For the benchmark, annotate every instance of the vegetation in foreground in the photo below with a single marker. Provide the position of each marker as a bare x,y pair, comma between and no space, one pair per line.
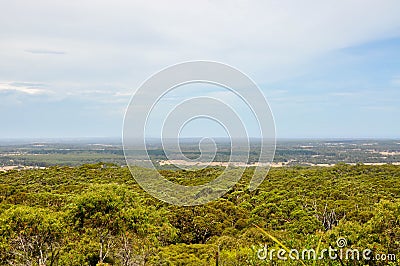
97,215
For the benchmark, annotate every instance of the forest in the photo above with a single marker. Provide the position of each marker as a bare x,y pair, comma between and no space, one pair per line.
96,214
293,152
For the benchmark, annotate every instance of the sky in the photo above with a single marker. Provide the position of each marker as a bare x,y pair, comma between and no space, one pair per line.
329,69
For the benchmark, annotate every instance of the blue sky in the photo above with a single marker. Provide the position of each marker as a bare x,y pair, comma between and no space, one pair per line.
331,69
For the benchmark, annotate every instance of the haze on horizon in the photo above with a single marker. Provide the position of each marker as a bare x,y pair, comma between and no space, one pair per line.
328,69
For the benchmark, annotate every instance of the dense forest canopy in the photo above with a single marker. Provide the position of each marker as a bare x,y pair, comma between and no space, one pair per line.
96,214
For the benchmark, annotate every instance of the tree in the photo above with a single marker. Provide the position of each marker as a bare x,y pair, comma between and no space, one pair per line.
32,235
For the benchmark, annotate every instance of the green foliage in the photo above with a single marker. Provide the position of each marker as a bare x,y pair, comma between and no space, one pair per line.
97,215
31,235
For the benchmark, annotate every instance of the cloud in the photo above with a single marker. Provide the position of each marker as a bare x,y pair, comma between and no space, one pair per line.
344,94
25,84
92,51
380,108
123,42
22,87
396,80
44,51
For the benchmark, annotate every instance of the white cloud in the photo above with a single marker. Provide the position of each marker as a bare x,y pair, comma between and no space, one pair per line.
96,52
126,41
22,87
396,80
44,51
344,94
